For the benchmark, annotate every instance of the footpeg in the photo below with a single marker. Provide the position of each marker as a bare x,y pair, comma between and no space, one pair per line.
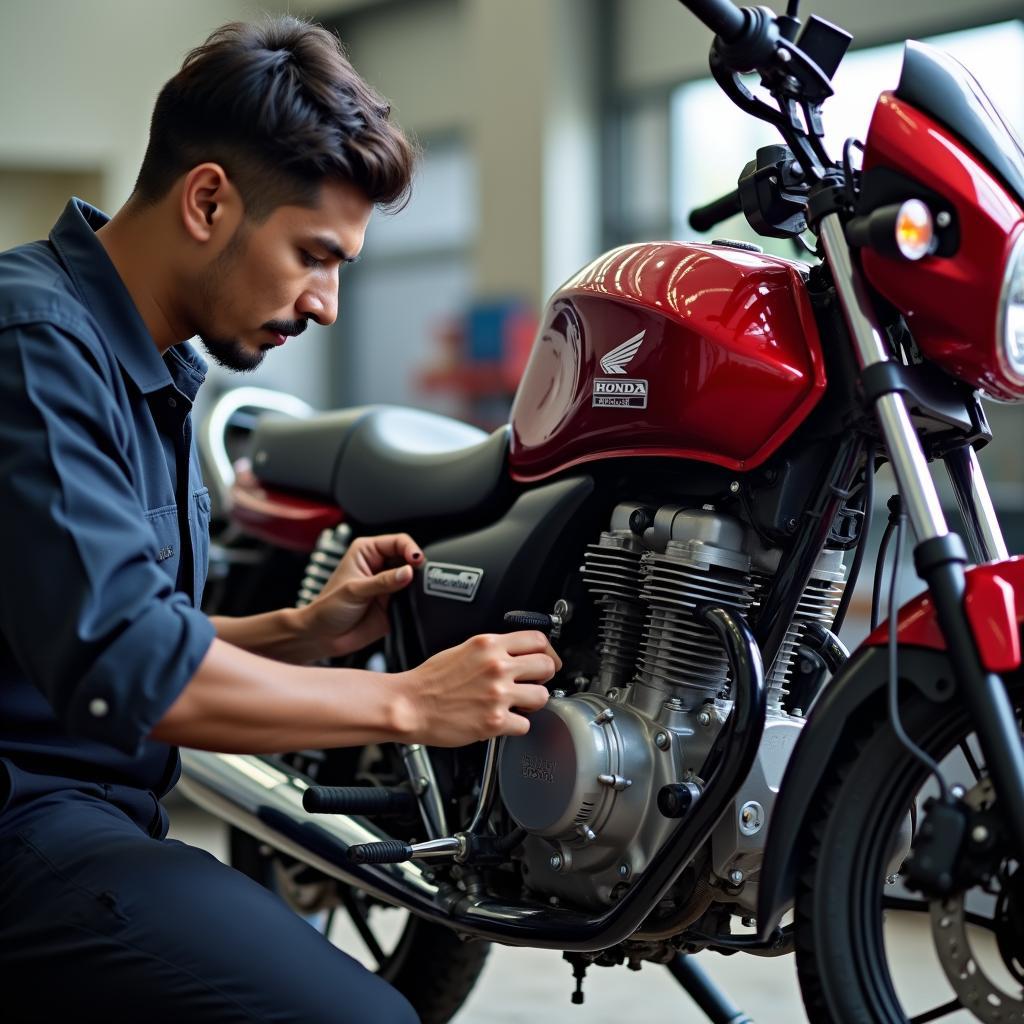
375,801
394,851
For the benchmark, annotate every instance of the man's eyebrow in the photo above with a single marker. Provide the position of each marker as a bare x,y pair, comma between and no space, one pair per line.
334,249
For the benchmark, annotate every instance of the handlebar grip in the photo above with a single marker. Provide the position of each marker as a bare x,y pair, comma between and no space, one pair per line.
723,17
704,218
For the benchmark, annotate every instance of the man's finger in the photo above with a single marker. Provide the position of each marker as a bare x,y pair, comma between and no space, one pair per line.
396,546
382,583
529,641
533,666
530,697
515,725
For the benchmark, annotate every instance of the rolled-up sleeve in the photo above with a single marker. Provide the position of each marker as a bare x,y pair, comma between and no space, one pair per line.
87,612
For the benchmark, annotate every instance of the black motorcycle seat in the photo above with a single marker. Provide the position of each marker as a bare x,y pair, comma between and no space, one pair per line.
383,464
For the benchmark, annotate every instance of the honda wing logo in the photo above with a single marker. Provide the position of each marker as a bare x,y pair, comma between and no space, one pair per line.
619,393
619,357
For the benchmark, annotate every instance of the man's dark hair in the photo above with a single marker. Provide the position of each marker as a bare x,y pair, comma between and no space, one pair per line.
280,108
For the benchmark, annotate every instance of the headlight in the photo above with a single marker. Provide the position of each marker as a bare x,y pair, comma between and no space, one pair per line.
1010,321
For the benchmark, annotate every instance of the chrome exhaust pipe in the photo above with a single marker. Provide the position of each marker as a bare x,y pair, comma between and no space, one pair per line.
263,798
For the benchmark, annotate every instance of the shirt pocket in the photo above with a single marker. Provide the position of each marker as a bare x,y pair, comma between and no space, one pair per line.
163,522
200,532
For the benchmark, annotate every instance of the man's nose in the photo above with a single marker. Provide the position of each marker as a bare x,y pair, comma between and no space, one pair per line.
320,305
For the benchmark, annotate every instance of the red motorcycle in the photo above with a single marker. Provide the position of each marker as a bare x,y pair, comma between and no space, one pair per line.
686,476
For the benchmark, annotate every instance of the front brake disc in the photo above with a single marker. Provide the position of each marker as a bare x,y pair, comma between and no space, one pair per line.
973,987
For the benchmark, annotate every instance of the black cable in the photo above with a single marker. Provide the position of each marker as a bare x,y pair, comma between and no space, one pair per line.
895,506
792,8
876,587
894,710
865,529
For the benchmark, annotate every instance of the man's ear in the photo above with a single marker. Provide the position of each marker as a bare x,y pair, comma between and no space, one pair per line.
210,203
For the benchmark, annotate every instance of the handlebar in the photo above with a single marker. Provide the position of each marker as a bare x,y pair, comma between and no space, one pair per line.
723,17
704,218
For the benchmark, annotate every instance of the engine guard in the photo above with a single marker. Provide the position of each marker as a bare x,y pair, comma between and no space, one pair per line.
994,603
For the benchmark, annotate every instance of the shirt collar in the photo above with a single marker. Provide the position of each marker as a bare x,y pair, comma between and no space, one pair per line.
123,329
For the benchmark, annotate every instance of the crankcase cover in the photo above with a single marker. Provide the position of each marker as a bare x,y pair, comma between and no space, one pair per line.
551,778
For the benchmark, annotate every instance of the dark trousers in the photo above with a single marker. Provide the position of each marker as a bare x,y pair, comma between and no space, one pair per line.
99,921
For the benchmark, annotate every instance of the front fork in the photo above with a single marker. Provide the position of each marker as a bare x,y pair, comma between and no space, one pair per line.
940,557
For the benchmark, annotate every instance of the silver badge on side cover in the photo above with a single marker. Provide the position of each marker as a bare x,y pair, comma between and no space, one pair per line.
619,393
456,582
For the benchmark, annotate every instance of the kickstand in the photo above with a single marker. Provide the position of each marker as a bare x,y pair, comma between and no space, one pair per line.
703,991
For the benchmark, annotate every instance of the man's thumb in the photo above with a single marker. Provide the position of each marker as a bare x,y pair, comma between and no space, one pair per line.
384,582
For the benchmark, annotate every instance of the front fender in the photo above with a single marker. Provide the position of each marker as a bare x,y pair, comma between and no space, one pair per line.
853,702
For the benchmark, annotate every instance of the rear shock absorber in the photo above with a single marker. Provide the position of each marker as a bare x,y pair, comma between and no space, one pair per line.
330,548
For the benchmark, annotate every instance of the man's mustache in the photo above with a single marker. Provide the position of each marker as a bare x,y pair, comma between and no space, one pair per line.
288,328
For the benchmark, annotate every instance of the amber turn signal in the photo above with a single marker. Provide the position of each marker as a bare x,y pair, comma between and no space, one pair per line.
915,230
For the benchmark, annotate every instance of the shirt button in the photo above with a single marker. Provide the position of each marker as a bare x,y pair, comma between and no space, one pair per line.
98,707
172,403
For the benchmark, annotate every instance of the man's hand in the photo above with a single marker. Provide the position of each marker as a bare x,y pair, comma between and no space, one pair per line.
468,693
351,611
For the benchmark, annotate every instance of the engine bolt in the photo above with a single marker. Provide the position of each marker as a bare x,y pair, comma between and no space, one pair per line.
555,862
751,818
958,791
704,718
558,694
604,717
736,876
735,487
943,219
585,832
624,871
661,741
979,834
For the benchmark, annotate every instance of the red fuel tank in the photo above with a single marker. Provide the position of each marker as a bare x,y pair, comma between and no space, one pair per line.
692,351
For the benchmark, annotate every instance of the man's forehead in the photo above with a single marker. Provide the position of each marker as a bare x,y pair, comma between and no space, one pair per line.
339,211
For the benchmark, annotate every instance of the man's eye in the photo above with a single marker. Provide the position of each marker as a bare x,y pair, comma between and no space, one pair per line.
310,260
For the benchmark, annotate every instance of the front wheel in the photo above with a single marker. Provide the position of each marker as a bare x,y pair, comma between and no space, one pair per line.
869,951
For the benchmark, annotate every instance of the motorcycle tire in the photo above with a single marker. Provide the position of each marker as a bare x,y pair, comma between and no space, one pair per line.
430,965
844,973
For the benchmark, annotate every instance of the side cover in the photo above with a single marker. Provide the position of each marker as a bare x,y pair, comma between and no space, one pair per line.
470,581
705,352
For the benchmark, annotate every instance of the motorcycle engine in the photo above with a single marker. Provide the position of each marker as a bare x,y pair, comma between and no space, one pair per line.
584,781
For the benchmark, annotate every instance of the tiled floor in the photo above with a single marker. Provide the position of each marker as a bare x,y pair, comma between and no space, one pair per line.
528,986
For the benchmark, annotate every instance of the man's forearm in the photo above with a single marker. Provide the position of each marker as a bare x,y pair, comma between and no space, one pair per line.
279,635
239,702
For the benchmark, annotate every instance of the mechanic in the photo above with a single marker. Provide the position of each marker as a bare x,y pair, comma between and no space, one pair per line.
267,155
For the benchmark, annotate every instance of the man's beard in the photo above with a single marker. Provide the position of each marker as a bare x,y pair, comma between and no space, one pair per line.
233,355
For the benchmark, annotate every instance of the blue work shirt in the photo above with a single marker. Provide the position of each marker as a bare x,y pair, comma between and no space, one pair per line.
103,529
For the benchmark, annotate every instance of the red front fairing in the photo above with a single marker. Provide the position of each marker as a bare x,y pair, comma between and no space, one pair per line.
950,303
729,358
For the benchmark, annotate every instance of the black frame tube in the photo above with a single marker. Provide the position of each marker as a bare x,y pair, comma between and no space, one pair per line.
790,581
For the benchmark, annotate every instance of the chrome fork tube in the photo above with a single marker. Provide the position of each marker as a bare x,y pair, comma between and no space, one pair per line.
985,534
917,488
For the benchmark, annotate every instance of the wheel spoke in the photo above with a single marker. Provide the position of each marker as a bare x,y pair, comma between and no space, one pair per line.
360,919
937,1012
